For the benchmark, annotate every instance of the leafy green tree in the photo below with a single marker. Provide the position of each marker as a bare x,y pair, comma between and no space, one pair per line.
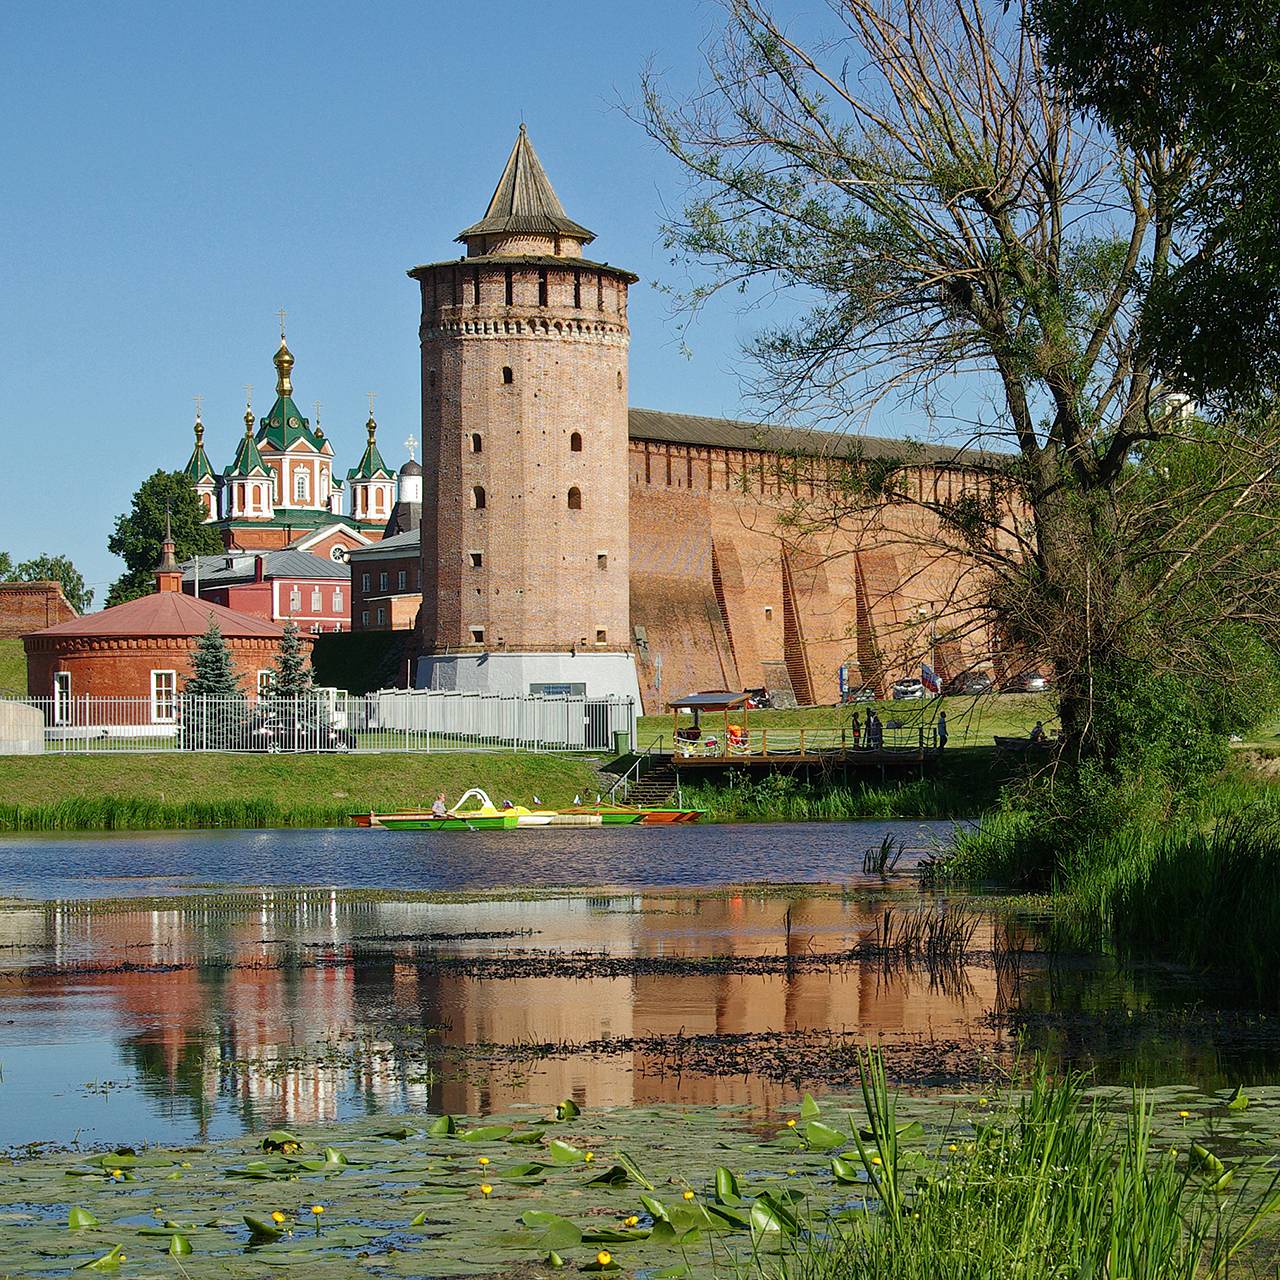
954,235
1200,77
139,532
293,674
47,568
6,567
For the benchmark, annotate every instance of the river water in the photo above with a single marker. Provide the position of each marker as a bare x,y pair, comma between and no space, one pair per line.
182,986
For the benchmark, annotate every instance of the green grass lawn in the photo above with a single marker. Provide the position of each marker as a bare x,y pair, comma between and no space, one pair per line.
970,721
203,790
13,669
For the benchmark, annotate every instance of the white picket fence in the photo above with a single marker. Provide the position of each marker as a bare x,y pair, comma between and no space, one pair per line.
417,720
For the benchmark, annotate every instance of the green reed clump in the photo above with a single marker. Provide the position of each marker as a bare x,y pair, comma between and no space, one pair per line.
1051,1189
134,813
779,798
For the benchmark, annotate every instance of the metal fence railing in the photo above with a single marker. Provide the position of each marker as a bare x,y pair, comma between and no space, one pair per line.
326,720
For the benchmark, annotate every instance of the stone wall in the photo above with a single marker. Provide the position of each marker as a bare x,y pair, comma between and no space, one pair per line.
727,591
31,606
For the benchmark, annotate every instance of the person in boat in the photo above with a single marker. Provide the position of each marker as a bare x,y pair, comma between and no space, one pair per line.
440,809
736,736
506,804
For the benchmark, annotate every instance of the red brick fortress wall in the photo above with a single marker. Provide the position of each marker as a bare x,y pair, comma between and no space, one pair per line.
712,541
31,606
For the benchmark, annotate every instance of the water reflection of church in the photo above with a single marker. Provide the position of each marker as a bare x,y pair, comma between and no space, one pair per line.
309,972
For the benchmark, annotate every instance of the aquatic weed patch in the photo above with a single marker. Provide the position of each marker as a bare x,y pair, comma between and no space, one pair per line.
658,1191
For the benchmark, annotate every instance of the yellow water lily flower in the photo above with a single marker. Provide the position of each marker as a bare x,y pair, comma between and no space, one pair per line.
876,1160
982,1102
631,1221
317,1209
588,1156
117,1173
688,1195
791,1124
604,1257
1184,1115
277,1216
951,1146
485,1189
484,1160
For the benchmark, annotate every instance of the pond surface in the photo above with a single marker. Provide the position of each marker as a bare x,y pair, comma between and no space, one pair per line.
139,1003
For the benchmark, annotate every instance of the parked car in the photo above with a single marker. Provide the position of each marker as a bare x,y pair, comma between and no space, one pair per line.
970,683
287,730
906,689
1026,682
866,693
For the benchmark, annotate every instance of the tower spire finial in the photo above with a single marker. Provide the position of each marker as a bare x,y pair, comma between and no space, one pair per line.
282,313
248,408
199,424
284,364
371,425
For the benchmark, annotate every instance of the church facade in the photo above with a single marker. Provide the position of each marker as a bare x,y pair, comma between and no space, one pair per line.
571,543
282,488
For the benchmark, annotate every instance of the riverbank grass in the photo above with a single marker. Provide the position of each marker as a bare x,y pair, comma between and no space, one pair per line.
187,790
13,669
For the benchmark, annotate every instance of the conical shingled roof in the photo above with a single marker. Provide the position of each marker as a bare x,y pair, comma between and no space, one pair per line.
248,460
198,467
371,465
524,201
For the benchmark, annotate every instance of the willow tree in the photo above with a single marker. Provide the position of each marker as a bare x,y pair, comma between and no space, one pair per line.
958,238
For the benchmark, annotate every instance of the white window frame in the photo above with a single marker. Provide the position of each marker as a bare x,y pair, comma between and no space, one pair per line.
301,484
364,617
337,599
382,616
164,702
317,600
402,578
265,678
295,599
382,582
62,697
364,583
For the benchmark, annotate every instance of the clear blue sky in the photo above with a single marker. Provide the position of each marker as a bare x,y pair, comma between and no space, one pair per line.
173,174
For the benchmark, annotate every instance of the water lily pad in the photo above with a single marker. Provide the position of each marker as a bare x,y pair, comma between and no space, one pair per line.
79,1218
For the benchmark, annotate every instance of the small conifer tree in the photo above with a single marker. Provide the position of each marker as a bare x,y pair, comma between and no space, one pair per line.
215,674
292,667
213,711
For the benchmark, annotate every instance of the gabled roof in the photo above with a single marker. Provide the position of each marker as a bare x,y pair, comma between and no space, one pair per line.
242,566
524,200
166,613
400,545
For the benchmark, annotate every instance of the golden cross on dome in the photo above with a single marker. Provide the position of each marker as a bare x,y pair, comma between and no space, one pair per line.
412,445
373,395
248,393
282,313
199,405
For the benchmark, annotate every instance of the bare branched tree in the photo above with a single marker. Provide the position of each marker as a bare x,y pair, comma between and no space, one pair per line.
969,244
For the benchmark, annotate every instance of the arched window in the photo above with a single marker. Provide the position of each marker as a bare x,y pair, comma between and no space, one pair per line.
299,486
575,499
477,498
575,442
507,376
619,379
477,443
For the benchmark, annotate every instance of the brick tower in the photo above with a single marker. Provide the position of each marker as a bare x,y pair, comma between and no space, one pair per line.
525,568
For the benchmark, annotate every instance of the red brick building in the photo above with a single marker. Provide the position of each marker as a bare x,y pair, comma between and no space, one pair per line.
386,584
141,649
28,606
277,586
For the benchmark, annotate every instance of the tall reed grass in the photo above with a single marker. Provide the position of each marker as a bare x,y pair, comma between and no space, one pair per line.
1053,1190
134,813
777,798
